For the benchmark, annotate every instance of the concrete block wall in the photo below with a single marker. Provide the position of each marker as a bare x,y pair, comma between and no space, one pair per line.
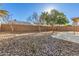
35,28
24,28
66,28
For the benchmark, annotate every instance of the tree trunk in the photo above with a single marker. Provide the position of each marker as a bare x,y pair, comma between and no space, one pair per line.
39,29
74,30
52,28
11,26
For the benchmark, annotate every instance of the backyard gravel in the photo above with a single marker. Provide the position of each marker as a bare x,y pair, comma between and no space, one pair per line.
37,45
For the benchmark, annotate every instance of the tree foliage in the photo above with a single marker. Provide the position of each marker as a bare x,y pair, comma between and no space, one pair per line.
5,17
3,13
62,19
44,18
35,17
55,17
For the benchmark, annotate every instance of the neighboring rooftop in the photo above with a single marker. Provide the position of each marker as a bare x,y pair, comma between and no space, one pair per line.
75,19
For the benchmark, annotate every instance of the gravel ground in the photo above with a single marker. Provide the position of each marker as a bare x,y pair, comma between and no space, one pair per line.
38,45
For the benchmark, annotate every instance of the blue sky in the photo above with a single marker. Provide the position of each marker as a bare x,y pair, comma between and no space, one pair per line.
21,11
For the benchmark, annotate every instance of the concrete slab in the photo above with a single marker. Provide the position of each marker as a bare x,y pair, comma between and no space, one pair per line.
69,36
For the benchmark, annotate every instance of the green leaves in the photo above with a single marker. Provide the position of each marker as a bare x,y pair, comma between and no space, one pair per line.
55,17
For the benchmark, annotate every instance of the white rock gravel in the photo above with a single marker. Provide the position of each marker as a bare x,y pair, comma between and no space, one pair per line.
39,44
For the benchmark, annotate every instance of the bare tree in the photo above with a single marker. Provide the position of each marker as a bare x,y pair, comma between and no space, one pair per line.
5,16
